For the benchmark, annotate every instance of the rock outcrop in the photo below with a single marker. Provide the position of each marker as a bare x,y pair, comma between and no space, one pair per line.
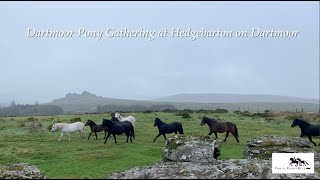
183,161
218,169
263,147
191,149
20,171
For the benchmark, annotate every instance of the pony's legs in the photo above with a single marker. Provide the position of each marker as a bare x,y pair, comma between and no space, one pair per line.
68,135
210,133
60,136
89,135
164,135
310,138
114,137
127,134
81,134
107,138
227,134
215,133
157,137
96,135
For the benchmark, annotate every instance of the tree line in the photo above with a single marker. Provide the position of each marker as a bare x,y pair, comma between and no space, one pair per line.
30,110
133,108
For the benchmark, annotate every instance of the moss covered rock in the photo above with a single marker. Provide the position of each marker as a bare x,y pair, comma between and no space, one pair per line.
20,171
191,149
263,147
218,169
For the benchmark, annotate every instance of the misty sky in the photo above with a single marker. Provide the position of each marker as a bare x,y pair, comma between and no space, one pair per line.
42,69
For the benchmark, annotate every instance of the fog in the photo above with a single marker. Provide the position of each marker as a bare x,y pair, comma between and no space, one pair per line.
42,68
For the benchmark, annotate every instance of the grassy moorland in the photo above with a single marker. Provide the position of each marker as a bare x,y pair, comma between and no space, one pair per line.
82,158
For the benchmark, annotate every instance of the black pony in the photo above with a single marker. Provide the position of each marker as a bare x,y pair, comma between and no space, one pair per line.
117,127
94,128
307,129
167,128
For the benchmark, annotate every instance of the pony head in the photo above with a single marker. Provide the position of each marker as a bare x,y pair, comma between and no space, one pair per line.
156,122
204,120
115,119
117,115
297,122
54,127
294,123
89,122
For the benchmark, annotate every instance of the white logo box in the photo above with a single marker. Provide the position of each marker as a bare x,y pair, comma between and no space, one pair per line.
298,163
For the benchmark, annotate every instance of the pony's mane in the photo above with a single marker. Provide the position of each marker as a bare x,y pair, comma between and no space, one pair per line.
303,121
210,120
92,122
60,123
161,122
114,119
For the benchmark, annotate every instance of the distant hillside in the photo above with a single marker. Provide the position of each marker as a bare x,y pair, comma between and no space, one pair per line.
87,102
2,105
234,98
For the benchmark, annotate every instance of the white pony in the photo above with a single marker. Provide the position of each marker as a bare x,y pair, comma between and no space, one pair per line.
65,127
129,118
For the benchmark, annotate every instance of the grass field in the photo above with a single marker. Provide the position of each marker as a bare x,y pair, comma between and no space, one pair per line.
82,158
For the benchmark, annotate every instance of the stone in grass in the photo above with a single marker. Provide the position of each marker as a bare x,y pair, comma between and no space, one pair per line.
191,149
20,171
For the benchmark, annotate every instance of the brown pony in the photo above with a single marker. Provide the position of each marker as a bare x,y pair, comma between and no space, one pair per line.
220,127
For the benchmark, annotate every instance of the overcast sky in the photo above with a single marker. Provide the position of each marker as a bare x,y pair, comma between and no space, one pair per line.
42,69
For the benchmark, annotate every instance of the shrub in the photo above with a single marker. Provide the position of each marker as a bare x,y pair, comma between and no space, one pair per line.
49,127
237,111
32,119
169,110
21,124
77,119
220,111
185,115
203,111
188,110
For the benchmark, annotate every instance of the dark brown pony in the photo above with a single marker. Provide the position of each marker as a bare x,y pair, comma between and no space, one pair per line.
220,127
94,128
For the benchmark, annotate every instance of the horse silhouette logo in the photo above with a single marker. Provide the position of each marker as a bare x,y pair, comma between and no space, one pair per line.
297,162
304,163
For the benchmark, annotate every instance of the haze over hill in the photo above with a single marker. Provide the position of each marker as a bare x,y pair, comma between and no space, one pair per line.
234,98
46,66
88,102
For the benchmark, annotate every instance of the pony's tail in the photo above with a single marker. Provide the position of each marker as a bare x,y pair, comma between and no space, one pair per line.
134,122
236,133
132,132
181,130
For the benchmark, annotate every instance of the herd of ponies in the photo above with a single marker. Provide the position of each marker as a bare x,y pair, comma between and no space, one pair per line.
118,125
